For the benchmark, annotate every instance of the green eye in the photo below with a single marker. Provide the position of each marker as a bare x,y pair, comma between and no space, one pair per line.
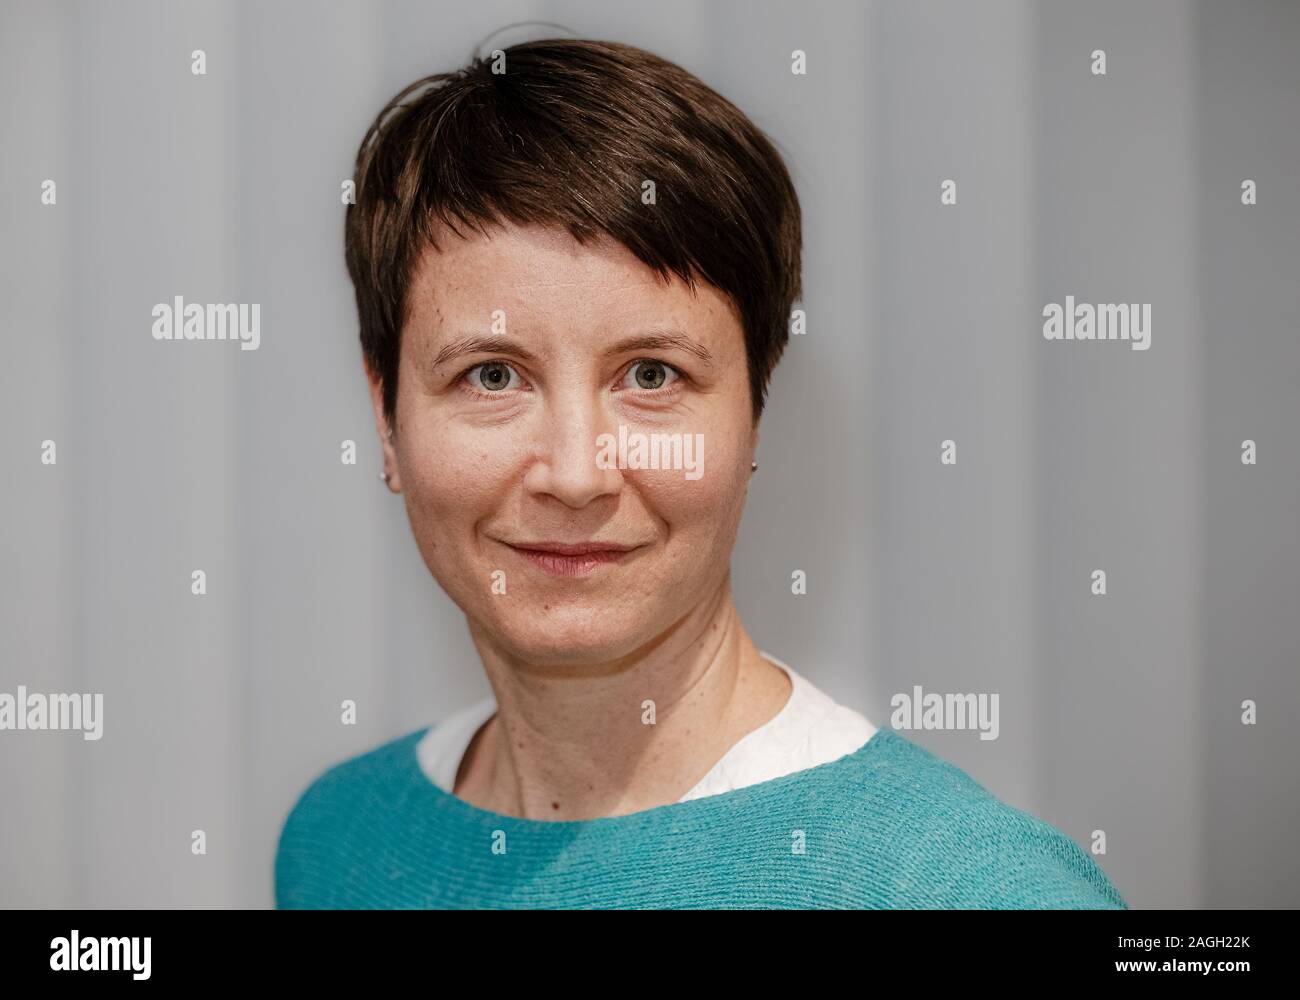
652,375
493,376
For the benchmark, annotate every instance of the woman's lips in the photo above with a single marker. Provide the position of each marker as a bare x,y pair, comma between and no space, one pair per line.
578,560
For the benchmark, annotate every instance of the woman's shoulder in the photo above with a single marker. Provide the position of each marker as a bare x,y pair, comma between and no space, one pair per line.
940,838
373,769
326,815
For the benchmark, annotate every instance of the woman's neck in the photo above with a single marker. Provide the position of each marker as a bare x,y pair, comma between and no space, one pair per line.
617,738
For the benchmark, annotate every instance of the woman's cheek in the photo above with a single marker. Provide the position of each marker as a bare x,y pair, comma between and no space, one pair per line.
451,470
446,486
708,482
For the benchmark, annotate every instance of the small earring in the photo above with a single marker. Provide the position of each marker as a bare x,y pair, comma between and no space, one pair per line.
384,476
753,466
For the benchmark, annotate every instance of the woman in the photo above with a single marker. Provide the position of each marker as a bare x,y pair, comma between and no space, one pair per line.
574,266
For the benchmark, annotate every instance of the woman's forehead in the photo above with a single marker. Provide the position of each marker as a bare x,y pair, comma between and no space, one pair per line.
510,256
542,280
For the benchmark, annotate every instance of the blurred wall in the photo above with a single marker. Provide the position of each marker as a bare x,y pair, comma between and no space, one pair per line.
1118,713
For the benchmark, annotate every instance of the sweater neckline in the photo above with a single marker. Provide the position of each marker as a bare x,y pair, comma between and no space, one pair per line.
441,750
880,740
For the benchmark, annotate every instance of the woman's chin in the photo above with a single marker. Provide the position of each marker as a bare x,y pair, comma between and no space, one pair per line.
576,640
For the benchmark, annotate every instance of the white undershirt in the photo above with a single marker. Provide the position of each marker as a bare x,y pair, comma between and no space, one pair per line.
811,729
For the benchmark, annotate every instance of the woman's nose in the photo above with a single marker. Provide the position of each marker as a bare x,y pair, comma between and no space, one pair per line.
565,464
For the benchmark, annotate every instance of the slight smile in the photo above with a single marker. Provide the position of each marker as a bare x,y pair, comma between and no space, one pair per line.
572,559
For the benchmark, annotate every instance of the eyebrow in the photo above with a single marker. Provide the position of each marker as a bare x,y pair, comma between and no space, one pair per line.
653,341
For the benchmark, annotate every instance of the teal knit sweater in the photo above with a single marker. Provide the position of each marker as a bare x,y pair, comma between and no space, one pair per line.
889,825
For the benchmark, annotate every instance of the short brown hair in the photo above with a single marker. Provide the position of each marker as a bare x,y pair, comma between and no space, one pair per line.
565,137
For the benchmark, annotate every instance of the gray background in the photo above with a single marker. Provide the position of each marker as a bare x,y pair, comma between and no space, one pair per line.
1118,713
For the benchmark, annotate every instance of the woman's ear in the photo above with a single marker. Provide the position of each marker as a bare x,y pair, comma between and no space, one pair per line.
393,477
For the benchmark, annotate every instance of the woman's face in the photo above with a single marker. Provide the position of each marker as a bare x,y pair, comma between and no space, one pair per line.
519,352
